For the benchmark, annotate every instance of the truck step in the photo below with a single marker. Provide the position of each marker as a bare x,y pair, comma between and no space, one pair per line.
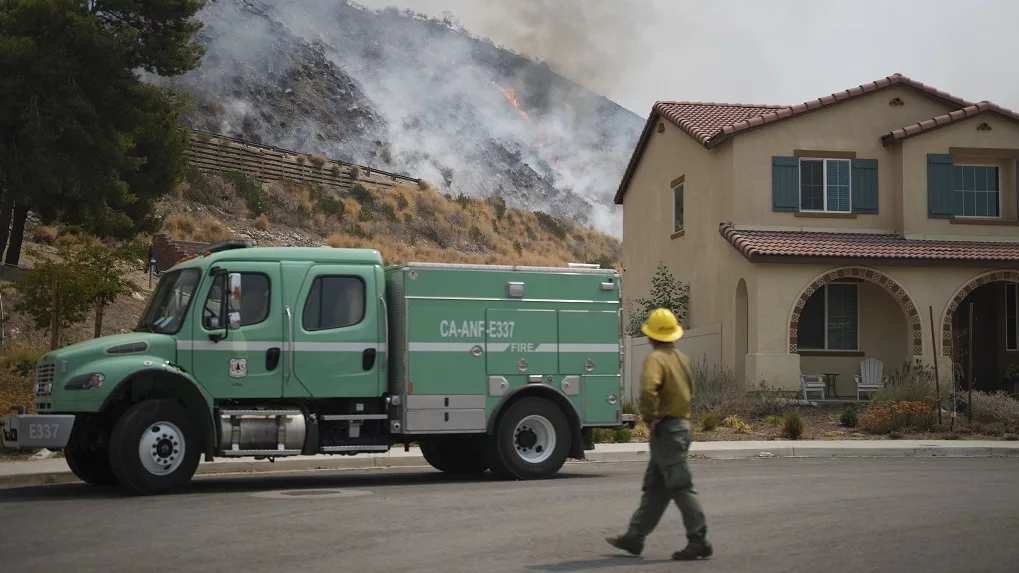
266,453
352,417
353,449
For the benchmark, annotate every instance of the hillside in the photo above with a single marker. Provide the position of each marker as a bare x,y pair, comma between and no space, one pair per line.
410,95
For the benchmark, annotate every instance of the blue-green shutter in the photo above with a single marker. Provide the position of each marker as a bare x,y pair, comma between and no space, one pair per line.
785,184
865,186
939,185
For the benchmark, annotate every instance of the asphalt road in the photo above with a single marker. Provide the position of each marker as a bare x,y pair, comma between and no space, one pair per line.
764,515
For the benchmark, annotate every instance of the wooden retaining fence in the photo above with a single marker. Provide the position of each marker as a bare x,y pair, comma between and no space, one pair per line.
214,152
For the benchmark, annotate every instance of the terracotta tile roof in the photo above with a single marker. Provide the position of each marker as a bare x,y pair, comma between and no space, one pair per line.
947,119
712,123
799,246
704,120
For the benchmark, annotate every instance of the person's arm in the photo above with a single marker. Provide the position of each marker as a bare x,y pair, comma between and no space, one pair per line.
650,383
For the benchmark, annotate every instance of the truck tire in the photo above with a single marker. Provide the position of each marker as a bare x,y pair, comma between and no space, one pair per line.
532,440
456,457
90,466
154,447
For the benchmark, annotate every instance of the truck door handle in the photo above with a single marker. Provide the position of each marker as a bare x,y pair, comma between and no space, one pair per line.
368,359
272,359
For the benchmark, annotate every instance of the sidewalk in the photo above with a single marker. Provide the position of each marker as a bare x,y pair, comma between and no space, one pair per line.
55,471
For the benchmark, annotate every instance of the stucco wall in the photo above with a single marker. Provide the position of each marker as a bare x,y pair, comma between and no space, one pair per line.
1004,136
701,345
853,126
700,257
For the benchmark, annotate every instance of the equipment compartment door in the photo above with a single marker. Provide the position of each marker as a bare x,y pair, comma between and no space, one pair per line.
602,400
588,342
522,342
336,337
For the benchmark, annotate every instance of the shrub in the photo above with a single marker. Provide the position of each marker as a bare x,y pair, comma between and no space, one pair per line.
213,231
741,427
774,420
355,172
388,212
335,170
180,226
424,185
331,206
254,196
666,292
718,390
994,407
518,248
464,201
913,382
365,215
611,436
401,201
848,417
21,360
262,223
553,225
793,426
45,234
317,160
709,421
886,418
1011,437
362,195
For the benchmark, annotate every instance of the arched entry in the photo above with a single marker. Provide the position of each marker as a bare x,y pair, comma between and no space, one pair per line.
888,284
742,329
995,298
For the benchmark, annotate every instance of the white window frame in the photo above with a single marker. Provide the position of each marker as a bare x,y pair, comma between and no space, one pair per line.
682,229
1015,293
824,178
859,328
1000,192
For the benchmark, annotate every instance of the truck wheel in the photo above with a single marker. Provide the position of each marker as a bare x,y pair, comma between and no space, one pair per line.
532,440
90,466
459,457
154,447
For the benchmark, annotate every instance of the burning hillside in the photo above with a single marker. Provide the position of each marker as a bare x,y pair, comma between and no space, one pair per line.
410,95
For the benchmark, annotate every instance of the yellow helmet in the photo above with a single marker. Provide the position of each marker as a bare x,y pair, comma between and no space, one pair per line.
662,326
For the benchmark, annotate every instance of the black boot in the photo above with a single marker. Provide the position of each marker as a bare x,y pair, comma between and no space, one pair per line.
694,551
626,543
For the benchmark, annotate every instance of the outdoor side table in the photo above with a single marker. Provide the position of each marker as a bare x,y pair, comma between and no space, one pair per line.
830,378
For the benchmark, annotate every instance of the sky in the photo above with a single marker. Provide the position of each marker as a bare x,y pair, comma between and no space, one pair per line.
636,52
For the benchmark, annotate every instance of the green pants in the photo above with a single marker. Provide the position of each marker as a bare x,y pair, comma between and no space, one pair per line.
668,479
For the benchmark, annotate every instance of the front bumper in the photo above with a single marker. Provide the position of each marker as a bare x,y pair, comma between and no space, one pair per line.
33,431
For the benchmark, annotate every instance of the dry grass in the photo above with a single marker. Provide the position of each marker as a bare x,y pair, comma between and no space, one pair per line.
355,172
317,160
213,231
180,227
262,223
45,234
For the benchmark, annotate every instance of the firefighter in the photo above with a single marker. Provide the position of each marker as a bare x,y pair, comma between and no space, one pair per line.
665,404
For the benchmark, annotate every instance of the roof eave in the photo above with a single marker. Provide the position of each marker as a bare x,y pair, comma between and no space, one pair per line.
638,152
890,138
880,261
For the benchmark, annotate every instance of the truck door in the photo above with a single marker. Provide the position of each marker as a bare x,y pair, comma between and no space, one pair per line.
336,333
246,362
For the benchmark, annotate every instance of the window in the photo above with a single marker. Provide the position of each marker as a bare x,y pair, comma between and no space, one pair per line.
824,185
830,319
169,305
975,191
677,208
334,302
1011,316
254,307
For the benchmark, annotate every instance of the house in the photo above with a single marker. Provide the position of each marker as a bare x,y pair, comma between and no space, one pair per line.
816,235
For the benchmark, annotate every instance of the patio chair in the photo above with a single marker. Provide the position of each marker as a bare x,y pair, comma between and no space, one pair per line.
871,378
811,383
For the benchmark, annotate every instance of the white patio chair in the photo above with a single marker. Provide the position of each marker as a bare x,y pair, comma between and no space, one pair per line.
871,377
811,383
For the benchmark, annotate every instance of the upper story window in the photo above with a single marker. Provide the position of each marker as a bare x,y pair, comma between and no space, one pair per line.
677,207
825,185
976,191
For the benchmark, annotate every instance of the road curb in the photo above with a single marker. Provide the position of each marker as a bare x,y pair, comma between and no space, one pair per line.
240,467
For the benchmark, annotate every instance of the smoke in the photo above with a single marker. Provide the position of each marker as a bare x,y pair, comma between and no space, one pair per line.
592,42
424,97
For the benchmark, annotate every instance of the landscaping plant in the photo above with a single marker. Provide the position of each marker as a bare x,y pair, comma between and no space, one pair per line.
849,417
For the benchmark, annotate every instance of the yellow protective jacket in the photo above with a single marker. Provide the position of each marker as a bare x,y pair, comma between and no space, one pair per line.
666,384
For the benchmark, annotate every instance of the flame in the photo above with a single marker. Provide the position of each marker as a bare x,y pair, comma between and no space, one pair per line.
541,140
511,96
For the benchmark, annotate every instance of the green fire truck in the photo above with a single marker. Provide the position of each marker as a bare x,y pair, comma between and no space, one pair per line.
268,352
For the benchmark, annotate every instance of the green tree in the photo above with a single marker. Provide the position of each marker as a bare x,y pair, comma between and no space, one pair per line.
82,137
72,300
666,292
